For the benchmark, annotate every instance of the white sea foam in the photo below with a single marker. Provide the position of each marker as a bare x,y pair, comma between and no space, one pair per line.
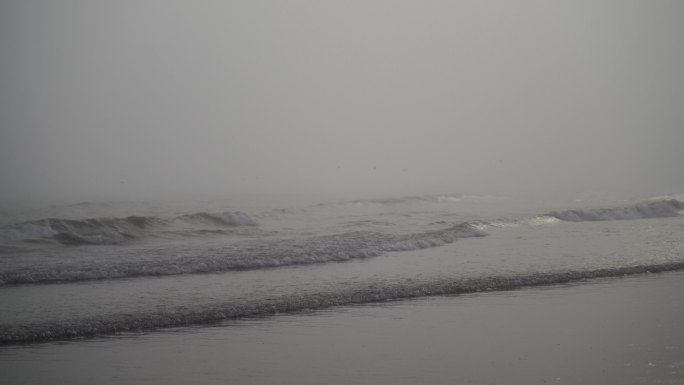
360,294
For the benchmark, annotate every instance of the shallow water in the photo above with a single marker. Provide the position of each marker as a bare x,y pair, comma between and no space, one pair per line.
607,331
175,268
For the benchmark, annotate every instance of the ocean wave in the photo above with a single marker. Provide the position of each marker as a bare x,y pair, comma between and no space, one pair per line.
372,292
395,201
227,218
249,255
102,231
649,209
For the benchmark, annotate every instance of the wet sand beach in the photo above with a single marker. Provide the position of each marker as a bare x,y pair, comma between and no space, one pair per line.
604,331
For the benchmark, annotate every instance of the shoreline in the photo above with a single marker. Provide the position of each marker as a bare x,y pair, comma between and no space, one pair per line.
612,330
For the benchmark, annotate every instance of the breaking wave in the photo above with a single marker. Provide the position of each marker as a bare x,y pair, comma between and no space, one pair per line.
236,218
416,199
251,255
101,231
365,293
649,209
255,253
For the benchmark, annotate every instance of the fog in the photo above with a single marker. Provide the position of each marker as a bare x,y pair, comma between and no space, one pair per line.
131,99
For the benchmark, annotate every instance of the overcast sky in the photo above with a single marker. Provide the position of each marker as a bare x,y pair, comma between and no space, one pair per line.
145,98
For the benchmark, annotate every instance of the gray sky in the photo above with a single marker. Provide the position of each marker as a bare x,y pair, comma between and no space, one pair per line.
143,98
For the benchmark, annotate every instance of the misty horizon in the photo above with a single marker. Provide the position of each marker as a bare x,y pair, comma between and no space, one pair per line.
136,100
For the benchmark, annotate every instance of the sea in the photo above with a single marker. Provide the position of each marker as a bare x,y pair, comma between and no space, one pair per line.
449,288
